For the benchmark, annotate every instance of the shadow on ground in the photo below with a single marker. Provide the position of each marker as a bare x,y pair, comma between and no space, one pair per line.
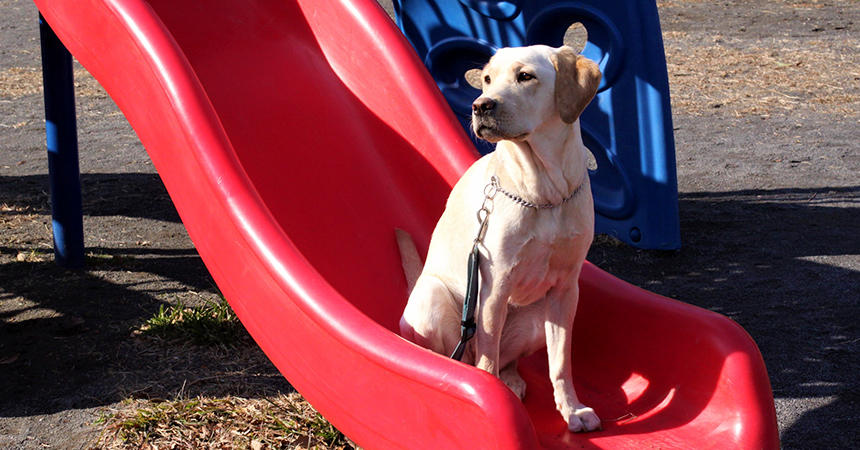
66,335
137,195
782,263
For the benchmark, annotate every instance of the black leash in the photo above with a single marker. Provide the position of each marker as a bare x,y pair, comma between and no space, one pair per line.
470,303
467,324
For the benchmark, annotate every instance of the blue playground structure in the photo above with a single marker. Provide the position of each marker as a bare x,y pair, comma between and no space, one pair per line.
627,127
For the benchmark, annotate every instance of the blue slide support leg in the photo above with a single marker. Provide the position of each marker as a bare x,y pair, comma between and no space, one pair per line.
62,143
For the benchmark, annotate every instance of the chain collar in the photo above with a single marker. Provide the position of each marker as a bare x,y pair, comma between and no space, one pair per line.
494,187
494,182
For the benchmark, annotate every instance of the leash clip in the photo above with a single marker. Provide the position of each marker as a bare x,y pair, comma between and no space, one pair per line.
490,191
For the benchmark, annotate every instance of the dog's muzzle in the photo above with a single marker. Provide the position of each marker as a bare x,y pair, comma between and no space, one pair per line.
483,106
484,122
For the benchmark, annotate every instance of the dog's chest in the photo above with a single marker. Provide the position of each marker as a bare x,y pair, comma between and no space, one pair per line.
537,262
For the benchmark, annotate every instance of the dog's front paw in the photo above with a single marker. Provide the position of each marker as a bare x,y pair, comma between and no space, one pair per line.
583,418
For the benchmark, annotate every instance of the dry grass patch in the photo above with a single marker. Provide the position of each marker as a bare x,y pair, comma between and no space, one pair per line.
33,256
283,421
17,82
763,80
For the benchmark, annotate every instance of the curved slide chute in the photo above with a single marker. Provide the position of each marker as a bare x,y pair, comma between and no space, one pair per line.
293,138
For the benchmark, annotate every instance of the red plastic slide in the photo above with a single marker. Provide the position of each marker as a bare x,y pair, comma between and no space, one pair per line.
293,137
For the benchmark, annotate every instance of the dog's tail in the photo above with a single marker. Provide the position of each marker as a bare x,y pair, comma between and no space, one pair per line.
409,258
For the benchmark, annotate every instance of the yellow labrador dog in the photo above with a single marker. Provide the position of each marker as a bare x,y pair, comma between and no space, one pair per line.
538,221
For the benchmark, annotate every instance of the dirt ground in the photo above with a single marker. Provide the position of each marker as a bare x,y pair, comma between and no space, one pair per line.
767,131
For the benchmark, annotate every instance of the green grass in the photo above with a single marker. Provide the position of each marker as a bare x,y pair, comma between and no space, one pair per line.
213,323
97,259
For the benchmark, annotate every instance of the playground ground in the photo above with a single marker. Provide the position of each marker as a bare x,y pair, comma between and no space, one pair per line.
766,111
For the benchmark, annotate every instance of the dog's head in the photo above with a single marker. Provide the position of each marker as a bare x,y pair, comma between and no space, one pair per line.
525,88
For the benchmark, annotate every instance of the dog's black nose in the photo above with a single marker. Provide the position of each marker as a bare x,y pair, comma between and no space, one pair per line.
483,105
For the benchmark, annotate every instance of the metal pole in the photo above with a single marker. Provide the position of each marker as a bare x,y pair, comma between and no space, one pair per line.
62,143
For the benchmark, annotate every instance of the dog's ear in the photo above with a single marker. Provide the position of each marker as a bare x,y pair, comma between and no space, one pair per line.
576,82
473,77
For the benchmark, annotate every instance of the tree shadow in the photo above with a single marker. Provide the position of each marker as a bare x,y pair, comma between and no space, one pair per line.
784,264
66,335
138,195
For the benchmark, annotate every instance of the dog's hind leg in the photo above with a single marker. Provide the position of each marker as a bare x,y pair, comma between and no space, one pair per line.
432,317
523,335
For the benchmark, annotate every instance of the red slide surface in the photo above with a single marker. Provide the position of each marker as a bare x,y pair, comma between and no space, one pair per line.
293,137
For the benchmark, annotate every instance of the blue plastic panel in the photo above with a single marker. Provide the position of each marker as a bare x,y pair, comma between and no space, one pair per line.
627,127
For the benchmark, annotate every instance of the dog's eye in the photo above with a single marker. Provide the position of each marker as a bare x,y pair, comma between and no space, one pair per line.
487,79
524,76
